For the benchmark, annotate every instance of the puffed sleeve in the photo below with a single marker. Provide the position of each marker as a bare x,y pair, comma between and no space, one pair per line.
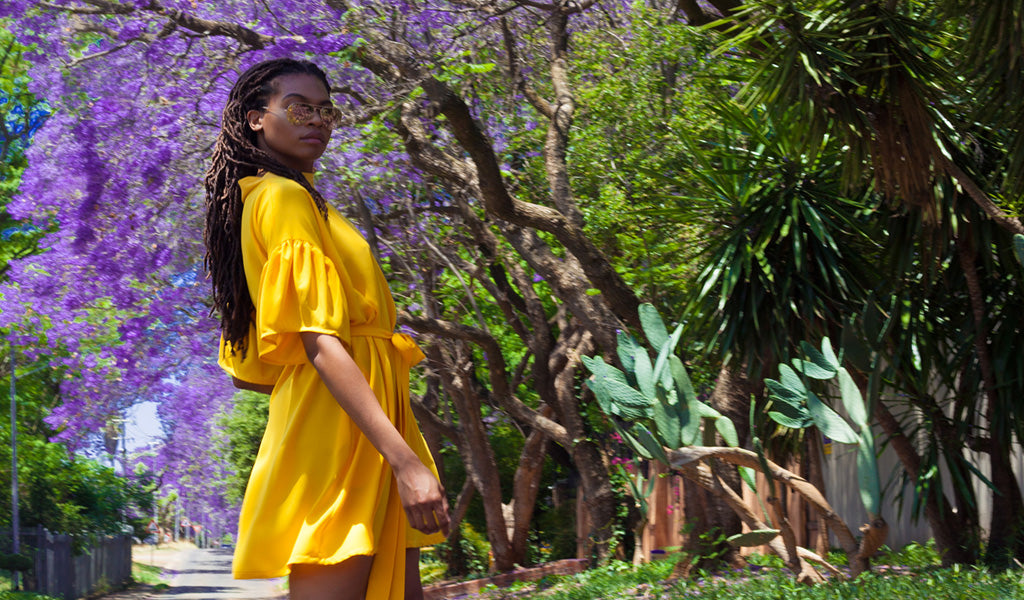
300,288
248,368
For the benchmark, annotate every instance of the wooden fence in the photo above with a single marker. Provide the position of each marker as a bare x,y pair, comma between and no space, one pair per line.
105,564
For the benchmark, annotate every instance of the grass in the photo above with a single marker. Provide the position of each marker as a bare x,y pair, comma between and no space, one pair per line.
142,573
8,595
914,573
149,575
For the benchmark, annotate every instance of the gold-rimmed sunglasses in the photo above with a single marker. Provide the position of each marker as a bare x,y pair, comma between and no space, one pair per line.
300,113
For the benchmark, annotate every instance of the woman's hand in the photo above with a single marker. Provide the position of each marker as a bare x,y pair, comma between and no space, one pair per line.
423,497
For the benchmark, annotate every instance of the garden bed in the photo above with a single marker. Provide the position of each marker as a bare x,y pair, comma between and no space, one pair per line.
912,574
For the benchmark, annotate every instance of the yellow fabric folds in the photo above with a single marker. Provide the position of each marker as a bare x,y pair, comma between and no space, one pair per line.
307,296
248,368
319,491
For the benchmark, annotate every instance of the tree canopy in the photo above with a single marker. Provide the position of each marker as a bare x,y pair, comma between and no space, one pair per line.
527,171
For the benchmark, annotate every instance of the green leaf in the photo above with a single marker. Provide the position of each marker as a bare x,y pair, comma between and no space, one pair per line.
812,369
749,477
1018,247
853,401
654,327
790,409
661,374
684,387
626,349
867,474
644,372
604,399
757,537
667,424
829,354
786,420
615,382
829,422
789,379
592,363
818,366
723,425
630,413
613,392
689,418
632,442
777,391
657,452
765,469
728,431
623,394
649,489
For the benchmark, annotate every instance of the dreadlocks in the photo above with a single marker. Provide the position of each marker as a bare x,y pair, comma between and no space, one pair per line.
235,156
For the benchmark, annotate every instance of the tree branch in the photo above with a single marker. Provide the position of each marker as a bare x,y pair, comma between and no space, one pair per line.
498,202
538,102
557,142
497,369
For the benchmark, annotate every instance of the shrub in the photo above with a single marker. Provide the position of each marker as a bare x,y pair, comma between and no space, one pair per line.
15,562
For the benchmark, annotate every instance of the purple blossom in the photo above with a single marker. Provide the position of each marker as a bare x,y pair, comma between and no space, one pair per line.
118,168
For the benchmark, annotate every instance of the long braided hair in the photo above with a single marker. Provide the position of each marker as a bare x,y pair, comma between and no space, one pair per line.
236,155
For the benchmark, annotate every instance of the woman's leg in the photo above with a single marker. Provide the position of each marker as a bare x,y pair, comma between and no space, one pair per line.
413,587
343,581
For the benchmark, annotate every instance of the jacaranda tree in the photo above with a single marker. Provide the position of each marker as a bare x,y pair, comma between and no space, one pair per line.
457,157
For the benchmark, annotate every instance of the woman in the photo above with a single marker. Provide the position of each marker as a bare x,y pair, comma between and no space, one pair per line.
343,491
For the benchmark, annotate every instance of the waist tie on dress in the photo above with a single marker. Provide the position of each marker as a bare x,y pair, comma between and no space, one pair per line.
407,349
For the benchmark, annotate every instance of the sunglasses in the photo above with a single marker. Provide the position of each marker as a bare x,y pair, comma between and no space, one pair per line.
300,113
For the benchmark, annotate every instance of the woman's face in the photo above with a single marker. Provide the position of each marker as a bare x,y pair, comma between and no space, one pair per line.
296,146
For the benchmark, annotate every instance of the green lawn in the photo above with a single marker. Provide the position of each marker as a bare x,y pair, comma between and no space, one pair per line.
913,574
141,573
149,575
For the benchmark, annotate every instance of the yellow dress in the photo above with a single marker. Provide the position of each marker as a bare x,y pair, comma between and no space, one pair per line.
319,491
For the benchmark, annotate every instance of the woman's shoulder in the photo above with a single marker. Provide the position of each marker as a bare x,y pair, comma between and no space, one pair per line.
272,184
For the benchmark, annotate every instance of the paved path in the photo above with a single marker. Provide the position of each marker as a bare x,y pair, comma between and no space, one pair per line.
196,574
206,575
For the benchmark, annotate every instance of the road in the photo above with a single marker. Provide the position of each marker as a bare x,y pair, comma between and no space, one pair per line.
206,575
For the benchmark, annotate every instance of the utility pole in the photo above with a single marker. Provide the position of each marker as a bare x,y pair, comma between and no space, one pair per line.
15,518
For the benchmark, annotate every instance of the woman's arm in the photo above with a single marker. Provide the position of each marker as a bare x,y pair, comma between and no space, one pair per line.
422,496
252,387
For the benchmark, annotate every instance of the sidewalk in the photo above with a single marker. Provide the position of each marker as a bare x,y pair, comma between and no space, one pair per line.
167,557
197,574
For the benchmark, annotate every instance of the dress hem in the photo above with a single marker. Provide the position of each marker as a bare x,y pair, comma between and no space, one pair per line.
308,560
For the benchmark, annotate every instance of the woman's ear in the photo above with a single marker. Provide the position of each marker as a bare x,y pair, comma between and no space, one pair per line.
255,119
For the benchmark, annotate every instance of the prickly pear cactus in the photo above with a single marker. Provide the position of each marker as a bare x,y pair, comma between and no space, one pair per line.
795,406
652,404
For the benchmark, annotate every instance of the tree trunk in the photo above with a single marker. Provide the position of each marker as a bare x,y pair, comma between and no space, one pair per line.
731,397
816,475
598,498
952,538
524,490
1007,505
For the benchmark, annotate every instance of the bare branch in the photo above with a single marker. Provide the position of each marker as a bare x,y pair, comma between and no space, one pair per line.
500,203
557,142
538,102
497,370
425,415
461,506
206,27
